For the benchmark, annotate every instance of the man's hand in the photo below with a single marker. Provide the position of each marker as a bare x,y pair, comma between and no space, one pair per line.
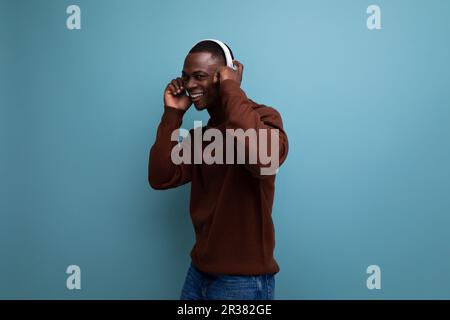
226,72
175,95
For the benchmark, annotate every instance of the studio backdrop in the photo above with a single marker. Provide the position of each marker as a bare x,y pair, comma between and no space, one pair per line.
362,205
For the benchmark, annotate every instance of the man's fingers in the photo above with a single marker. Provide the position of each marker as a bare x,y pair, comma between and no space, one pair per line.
240,66
174,82
180,84
172,89
176,86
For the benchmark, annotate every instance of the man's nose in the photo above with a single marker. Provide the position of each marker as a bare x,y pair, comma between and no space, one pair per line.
190,84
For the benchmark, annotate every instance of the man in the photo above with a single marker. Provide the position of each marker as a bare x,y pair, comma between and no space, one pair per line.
231,204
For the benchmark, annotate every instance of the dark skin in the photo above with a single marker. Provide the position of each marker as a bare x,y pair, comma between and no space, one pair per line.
202,73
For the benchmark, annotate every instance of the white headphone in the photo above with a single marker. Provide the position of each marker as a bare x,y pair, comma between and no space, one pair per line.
225,50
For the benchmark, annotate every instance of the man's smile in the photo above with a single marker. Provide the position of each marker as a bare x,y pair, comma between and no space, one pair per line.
197,95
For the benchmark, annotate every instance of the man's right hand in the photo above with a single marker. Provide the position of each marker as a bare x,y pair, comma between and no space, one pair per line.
175,95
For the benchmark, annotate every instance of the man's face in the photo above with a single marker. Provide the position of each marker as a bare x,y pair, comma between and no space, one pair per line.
201,80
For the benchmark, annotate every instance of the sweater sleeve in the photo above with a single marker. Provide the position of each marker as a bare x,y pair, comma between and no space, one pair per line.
241,114
162,172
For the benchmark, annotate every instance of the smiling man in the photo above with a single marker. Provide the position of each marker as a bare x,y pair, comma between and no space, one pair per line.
231,204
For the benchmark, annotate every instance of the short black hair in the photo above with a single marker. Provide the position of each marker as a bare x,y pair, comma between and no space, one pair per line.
212,47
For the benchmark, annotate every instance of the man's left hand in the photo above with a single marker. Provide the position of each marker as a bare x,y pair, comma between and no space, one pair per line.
226,72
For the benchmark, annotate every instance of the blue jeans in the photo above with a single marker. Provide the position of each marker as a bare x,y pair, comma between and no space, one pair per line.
204,286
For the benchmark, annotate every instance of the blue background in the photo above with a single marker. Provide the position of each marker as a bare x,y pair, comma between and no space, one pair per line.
367,179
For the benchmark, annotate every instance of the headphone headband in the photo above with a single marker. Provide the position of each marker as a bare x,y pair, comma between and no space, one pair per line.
225,50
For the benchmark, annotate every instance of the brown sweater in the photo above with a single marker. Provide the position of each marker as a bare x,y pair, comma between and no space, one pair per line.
231,204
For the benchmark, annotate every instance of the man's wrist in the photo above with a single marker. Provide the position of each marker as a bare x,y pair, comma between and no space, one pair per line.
230,87
172,114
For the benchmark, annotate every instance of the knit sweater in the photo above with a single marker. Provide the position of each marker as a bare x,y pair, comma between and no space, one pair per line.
230,204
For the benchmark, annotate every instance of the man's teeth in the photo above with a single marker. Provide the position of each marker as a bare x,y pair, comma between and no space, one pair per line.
196,95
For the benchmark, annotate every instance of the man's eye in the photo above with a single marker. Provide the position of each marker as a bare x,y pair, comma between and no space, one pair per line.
200,77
